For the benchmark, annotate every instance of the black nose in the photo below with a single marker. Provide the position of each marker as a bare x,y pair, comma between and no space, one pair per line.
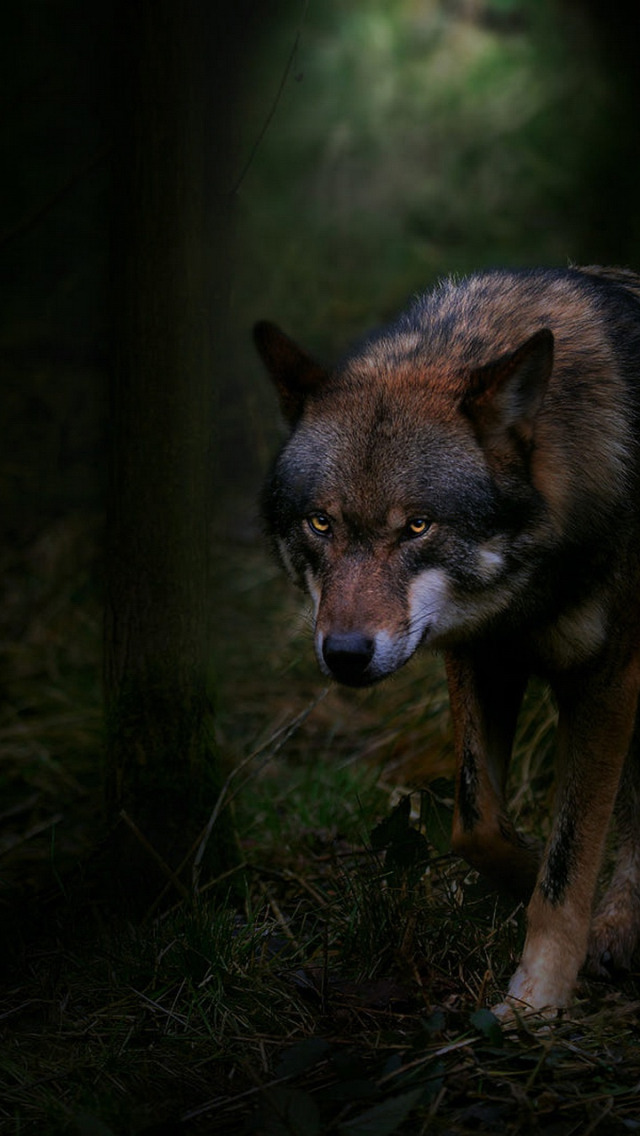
347,656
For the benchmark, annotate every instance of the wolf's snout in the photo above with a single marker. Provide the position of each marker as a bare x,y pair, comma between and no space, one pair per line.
347,656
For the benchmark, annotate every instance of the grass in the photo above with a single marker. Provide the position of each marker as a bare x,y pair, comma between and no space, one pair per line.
346,991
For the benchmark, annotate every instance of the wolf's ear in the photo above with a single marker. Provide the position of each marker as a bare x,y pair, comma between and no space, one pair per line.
504,397
294,373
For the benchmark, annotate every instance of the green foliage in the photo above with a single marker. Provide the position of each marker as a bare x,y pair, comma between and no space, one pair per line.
408,143
318,800
382,1119
406,852
487,1024
436,812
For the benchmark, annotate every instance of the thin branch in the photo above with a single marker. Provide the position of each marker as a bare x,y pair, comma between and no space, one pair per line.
274,105
162,864
197,849
30,220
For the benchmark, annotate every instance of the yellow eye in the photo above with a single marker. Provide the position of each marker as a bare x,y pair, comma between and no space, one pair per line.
319,524
417,527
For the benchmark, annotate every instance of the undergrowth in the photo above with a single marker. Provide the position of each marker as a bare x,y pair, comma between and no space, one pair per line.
347,995
340,985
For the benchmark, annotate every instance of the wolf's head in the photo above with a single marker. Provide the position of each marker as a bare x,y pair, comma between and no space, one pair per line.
403,500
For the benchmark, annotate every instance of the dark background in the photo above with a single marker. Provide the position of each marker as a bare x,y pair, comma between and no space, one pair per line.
409,139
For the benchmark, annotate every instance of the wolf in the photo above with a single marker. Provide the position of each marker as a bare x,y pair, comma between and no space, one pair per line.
467,479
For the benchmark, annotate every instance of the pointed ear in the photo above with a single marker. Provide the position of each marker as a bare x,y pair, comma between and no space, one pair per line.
294,373
504,397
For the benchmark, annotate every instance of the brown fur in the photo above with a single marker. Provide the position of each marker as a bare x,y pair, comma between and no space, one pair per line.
469,478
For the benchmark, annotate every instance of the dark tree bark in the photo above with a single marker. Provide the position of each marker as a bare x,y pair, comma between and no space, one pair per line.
176,78
607,200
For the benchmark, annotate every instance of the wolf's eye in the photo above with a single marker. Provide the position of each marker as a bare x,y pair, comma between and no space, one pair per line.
417,527
319,524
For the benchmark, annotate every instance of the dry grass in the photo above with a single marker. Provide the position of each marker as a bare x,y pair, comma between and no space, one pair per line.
345,994
50,716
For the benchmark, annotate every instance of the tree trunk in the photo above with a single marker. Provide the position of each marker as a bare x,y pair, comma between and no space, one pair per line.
171,255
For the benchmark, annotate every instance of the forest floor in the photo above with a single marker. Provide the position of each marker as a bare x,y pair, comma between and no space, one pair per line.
342,987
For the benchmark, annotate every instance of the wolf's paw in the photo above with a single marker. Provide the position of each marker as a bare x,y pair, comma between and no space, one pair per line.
510,1013
611,947
538,989
513,1013
615,931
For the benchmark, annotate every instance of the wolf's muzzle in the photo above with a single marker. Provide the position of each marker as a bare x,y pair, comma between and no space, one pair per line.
347,656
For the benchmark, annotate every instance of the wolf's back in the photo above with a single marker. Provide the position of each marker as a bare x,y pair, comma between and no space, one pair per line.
623,277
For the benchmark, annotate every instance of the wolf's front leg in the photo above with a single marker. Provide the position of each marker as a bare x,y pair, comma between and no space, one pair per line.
596,718
485,693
